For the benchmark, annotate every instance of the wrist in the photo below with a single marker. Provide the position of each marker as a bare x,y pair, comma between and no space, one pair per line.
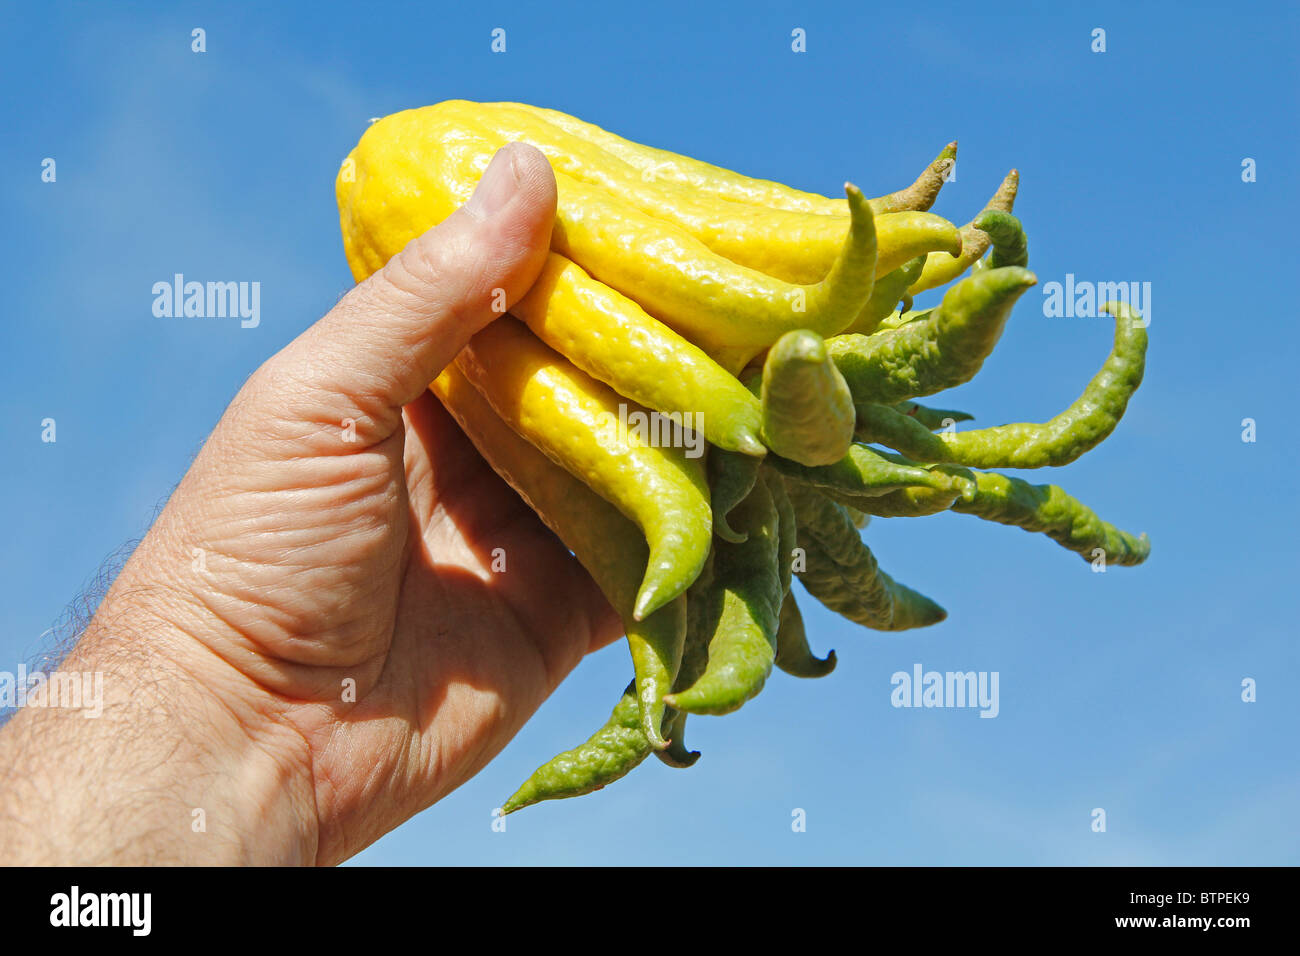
181,759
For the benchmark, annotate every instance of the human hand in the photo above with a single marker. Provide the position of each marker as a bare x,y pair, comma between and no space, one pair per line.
310,645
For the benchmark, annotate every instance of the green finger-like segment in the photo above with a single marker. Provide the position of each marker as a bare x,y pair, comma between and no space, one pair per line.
1049,510
942,267
731,477
786,530
947,484
748,587
677,754
808,411
932,418
862,473
703,608
886,295
1081,427
793,655
911,502
656,644
945,349
921,195
701,622
608,754
1010,246
841,572
883,425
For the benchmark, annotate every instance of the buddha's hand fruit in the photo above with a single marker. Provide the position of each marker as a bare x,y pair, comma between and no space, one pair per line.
711,388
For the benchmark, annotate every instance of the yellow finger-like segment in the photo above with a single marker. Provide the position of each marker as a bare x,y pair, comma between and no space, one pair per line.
664,166
794,246
911,234
804,255
712,301
730,228
613,339
941,267
412,169
603,440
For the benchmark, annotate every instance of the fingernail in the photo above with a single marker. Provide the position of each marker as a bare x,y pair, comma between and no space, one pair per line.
496,187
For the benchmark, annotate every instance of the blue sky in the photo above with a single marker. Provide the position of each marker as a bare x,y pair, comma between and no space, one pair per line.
1118,690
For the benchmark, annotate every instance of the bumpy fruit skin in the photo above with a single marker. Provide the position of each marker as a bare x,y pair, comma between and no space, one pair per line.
1049,510
1010,245
921,195
943,350
412,169
794,245
608,754
661,165
843,574
613,339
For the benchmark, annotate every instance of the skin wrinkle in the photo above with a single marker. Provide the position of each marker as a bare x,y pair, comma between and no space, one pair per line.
245,638
358,526
382,523
338,477
303,630
203,596
313,419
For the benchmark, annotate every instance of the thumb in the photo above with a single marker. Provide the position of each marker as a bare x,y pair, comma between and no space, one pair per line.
392,335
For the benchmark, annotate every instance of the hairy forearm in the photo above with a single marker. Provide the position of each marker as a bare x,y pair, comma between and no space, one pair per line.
181,764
